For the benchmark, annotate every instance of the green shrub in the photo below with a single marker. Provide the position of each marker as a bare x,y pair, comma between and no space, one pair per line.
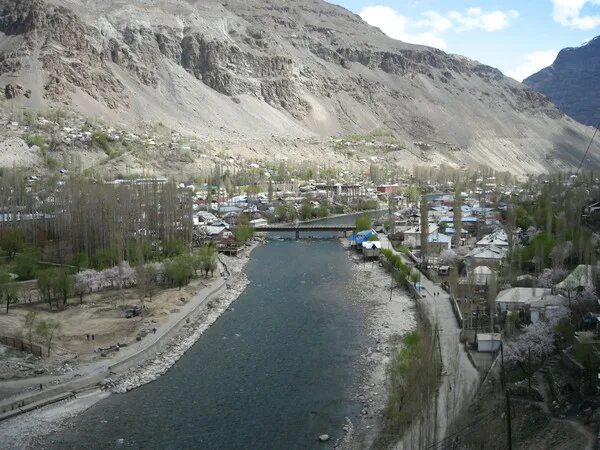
243,233
102,140
36,139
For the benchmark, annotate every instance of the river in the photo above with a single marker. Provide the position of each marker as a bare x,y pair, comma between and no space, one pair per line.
276,372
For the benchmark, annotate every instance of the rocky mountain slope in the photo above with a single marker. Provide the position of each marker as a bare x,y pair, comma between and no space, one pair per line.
572,82
240,71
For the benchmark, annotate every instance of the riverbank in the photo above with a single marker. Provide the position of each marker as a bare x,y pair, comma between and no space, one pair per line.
143,366
392,314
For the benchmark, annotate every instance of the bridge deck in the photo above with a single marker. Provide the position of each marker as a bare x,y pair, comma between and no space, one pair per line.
306,227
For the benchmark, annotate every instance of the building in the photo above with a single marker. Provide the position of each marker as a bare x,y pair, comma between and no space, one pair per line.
498,238
258,223
581,277
388,189
412,236
488,342
485,256
371,249
540,303
438,242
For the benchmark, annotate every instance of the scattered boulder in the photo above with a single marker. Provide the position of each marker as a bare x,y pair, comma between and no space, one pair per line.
12,90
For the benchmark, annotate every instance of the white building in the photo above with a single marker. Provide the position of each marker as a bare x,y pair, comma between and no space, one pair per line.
488,342
412,236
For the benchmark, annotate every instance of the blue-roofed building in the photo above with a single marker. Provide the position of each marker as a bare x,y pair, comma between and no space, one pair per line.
438,242
361,236
467,219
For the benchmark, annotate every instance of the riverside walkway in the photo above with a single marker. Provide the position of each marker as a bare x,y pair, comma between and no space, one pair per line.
24,395
460,379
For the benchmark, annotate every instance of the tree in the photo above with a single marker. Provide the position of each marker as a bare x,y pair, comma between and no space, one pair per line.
62,284
449,258
30,319
173,247
81,260
46,329
8,290
243,233
537,338
26,264
413,194
306,211
179,271
415,276
146,280
45,286
364,222
424,210
11,241
457,209
492,292
270,192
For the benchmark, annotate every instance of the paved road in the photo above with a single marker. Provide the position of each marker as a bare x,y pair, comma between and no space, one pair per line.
460,379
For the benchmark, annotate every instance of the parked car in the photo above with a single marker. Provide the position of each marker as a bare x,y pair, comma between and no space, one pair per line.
133,312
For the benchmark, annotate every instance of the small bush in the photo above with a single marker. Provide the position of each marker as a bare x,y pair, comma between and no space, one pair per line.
37,140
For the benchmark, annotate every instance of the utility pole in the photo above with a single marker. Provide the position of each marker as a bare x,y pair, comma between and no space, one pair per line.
529,371
508,421
502,364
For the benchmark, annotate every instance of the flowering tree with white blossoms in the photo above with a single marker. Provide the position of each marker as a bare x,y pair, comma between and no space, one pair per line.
537,338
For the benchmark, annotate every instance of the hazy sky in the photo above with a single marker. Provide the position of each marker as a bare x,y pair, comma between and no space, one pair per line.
517,36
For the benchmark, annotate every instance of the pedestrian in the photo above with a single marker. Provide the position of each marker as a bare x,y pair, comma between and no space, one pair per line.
88,337
41,387
92,337
154,330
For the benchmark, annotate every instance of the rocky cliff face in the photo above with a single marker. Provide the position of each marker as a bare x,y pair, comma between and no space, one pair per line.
249,68
572,82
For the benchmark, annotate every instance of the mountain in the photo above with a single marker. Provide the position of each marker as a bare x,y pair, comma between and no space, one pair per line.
572,82
246,74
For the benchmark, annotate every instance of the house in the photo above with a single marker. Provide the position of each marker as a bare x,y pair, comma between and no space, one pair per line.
438,242
482,275
488,342
388,189
485,256
412,236
216,231
258,223
540,303
371,249
204,218
580,278
498,238
464,234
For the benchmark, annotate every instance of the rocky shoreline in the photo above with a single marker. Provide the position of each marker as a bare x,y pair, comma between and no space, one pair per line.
391,317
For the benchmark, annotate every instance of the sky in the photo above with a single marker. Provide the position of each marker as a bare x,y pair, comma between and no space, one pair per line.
519,37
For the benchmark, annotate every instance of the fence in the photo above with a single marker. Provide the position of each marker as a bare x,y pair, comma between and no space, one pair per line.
21,345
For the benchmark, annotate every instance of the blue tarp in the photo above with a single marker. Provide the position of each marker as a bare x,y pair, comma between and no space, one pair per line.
362,236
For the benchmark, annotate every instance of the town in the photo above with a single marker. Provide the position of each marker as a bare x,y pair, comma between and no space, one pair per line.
516,260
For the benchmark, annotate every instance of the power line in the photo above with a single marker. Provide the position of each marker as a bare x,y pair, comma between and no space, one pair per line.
456,433
589,146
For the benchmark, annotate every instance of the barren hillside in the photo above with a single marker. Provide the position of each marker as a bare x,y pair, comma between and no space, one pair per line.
573,82
245,70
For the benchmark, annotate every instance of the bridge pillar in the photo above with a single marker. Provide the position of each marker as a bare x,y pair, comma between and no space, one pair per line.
297,234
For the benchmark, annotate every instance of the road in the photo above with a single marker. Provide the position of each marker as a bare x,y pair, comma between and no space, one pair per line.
460,378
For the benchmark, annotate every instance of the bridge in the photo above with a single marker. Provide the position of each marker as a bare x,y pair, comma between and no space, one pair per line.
307,227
